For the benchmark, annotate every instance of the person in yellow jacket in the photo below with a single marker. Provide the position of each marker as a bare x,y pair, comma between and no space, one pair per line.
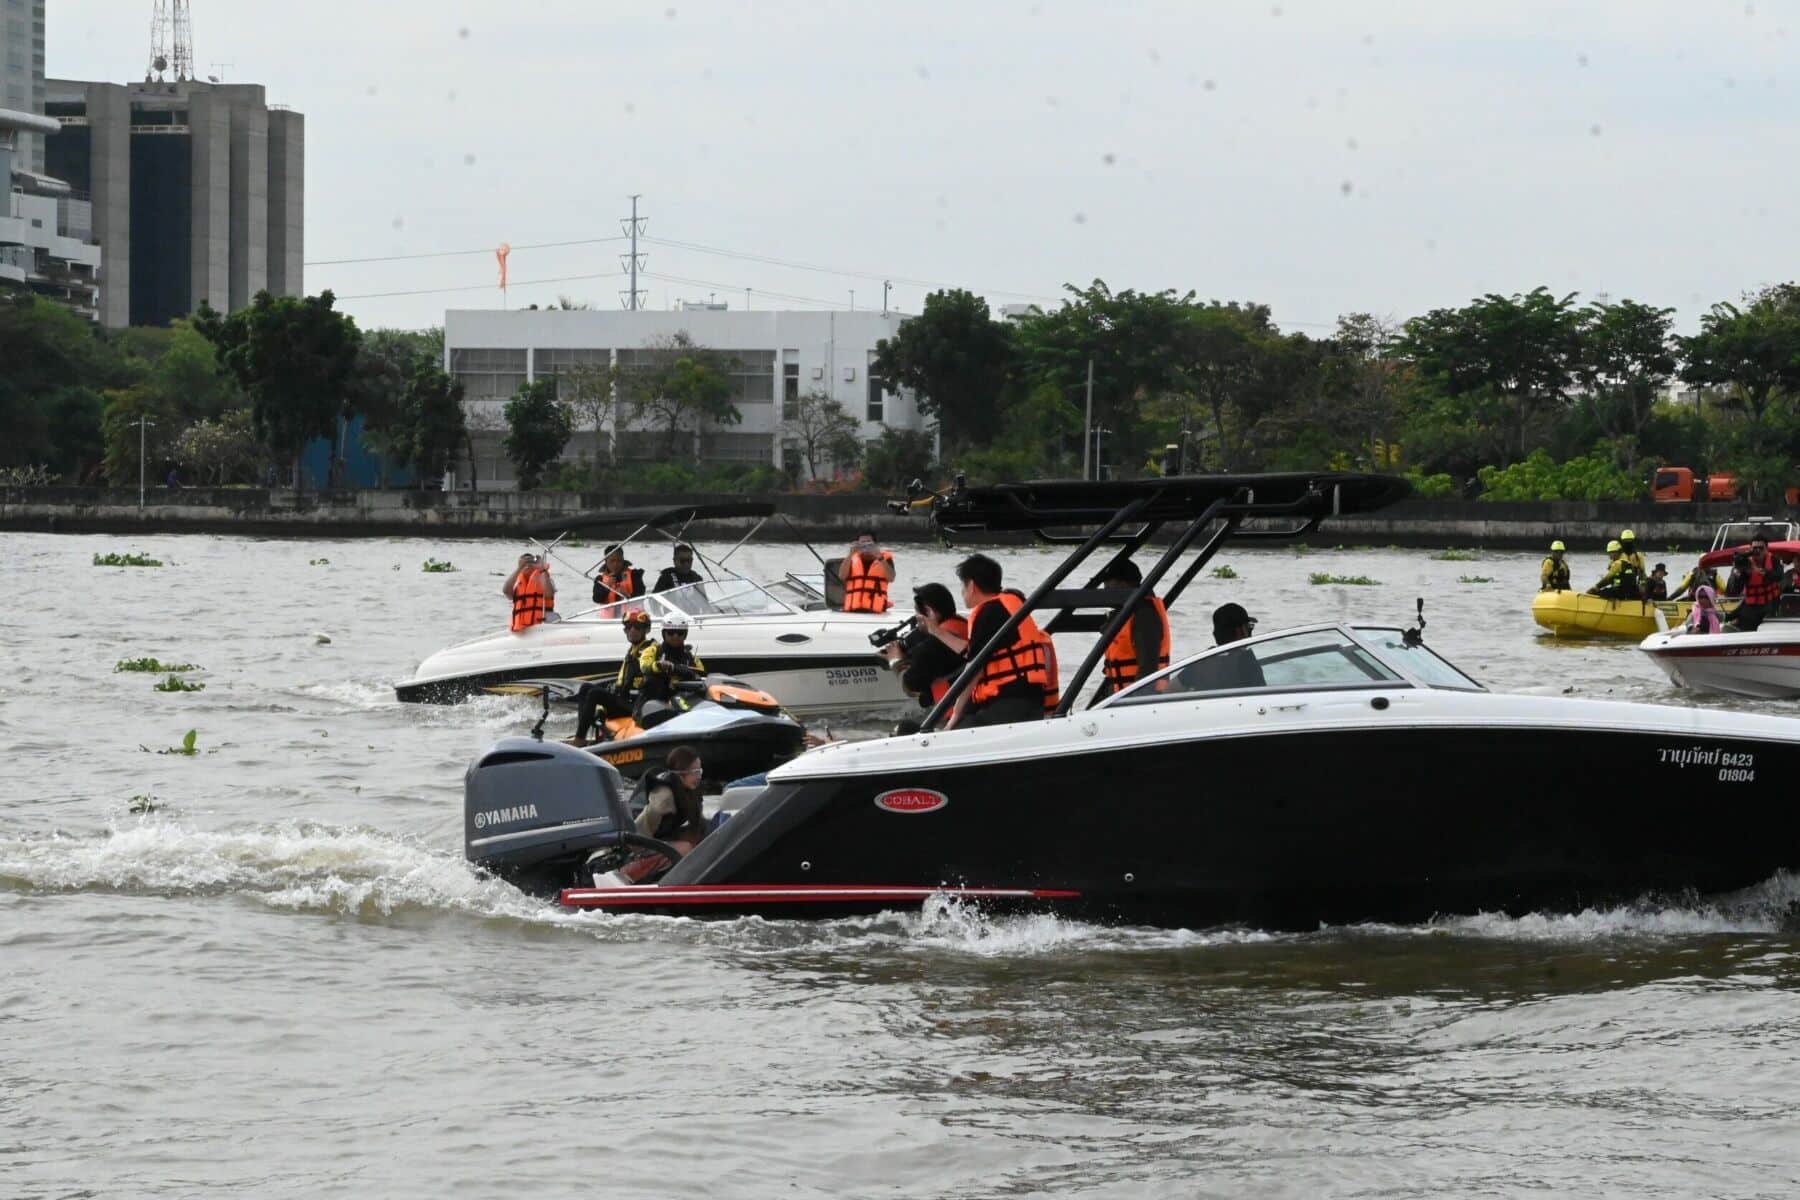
1622,580
1698,577
1553,573
666,661
1629,552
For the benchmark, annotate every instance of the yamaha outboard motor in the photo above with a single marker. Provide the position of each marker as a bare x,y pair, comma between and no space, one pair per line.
533,812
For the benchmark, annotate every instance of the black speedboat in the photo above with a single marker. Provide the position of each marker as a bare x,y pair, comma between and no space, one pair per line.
1330,773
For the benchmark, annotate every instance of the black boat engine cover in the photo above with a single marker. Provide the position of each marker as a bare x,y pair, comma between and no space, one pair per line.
533,811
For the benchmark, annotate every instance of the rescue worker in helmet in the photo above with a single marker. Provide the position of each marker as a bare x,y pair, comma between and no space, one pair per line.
681,573
532,592
1018,681
617,579
1553,573
673,797
925,659
618,697
1698,576
1142,646
665,662
866,571
1621,581
1629,552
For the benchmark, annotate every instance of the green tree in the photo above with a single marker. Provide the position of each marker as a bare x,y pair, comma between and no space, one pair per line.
592,393
1234,361
122,433
538,427
824,432
680,387
52,368
386,361
1040,440
434,418
956,359
1750,356
295,358
219,452
896,458
1519,352
1626,357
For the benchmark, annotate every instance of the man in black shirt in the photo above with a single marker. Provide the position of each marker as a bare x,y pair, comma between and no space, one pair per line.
682,573
1019,681
1231,670
926,662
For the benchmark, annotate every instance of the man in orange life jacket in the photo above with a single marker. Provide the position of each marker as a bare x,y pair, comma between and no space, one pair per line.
1142,646
1762,585
926,661
866,571
617,579
1018,683
532,592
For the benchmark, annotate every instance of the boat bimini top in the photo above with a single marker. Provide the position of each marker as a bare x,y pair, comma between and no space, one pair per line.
1123,517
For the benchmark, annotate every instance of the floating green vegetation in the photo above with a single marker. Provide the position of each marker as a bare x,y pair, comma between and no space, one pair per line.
153,666
1474,579
176,683
318,562
435,567
1224,572
126,560
187,747
143,805
1455,555
1357,580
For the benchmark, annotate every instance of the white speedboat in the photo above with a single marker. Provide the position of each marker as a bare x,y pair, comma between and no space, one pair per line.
779,636
1764,663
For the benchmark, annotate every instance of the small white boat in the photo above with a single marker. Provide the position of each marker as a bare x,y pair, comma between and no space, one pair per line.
1764,663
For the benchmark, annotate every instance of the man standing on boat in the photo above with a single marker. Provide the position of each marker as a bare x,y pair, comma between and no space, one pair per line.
681,573
866,571
1018,681
1762,585
1553,572
617,579
1142,646
532,592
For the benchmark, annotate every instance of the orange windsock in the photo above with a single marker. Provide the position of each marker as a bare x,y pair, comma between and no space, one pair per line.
500,253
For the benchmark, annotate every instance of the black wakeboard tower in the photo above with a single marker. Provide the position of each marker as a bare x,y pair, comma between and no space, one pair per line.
1124,516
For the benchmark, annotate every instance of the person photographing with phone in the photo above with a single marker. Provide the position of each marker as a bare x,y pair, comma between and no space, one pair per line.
532,592
866,571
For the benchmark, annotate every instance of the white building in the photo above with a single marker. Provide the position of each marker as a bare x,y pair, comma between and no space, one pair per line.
46,228
775,357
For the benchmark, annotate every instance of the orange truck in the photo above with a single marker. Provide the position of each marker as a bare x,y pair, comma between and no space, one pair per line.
1677,484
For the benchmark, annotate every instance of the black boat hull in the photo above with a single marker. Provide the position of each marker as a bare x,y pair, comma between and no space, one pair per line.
1294,829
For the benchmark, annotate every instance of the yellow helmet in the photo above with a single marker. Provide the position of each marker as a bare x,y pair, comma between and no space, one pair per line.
1558,546
1613,547
1628,536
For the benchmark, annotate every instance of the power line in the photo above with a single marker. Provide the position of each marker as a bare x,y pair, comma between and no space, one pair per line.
483,287
738,287
883,276
338,262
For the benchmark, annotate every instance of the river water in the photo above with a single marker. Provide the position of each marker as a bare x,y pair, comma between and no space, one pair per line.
284,981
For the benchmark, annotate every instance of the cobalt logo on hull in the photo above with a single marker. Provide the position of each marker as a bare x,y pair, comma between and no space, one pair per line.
501,816
911,800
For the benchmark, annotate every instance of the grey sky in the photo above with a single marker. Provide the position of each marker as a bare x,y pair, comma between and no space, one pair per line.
1322,157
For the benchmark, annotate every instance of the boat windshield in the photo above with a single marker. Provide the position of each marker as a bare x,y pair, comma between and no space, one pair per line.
729,597
804,592
1417,661
1303,660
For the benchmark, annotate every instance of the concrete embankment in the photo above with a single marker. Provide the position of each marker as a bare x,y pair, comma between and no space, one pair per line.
265,513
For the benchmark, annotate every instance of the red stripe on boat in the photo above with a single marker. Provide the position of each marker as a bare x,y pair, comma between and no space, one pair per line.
1775,650
748,895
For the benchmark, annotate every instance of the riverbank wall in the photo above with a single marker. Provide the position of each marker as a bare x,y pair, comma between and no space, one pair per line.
257,512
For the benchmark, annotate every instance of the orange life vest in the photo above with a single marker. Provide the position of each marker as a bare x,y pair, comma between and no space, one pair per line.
959,627
530,601
1031,658
864,590
1121,666
1762,585
626,585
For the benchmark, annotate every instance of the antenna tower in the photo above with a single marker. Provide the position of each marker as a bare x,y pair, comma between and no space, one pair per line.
171,42
633,262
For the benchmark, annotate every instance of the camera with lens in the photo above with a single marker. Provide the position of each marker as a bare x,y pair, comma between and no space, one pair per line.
893,633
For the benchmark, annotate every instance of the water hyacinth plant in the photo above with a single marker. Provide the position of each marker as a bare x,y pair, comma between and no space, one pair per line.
435,567
126,560
1356,580
1224,572
176,683
153,666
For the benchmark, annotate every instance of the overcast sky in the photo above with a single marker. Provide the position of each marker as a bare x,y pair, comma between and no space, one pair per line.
1321,156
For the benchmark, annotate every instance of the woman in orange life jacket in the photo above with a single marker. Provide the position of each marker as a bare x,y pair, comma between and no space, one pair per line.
925,660
1018,683
866,570
617,579
1142,646
532,592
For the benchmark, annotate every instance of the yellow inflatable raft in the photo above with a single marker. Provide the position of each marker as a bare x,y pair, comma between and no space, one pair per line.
1577,614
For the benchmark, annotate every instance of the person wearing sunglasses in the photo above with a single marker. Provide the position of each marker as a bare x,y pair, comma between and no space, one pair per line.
672,800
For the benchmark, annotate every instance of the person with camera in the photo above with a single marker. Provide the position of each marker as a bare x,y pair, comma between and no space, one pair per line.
927,663
1758,576
866,572
532,592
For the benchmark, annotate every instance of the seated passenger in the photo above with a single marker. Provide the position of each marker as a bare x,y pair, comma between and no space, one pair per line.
672,801
1690,582
1657,586
1018,682
1142,646
619,696
681,573
1233,669
617,579
1704,617
666,662
1622,580
928,663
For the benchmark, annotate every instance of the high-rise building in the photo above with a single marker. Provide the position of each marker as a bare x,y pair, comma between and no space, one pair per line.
198,191
22,73
46,230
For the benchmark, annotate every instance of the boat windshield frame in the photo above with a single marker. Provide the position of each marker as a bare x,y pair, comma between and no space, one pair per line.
1372,640
690,602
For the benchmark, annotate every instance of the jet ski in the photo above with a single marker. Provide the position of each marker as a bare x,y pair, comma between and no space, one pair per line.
1331,773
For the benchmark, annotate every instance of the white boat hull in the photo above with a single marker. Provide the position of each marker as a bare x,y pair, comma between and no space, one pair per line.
1764,664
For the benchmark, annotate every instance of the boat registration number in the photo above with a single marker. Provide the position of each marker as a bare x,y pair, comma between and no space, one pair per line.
1733,768
849,676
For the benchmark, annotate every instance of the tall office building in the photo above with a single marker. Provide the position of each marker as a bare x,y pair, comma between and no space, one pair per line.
22,73
198,191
